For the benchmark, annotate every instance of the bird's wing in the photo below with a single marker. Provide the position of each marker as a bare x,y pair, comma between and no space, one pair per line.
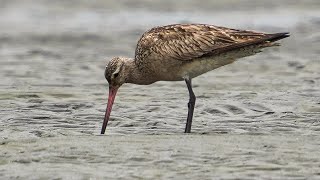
188,41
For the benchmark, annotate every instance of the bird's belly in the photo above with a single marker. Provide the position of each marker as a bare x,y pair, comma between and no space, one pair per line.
173,70
179,70
202,65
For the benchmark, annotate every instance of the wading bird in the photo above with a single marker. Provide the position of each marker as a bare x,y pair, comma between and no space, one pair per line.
181,52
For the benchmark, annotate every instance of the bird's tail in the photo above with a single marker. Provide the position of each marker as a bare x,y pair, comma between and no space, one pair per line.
277,36
272,38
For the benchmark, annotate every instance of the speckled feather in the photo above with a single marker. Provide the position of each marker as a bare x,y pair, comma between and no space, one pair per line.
189,41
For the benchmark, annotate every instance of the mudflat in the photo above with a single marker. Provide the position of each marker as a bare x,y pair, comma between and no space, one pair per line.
258,118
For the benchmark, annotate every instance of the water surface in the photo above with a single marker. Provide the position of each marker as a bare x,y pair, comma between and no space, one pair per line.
258,118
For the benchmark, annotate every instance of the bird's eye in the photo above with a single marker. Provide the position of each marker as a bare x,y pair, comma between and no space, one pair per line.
115,75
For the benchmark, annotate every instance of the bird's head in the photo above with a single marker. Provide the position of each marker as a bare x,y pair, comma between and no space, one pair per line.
115,73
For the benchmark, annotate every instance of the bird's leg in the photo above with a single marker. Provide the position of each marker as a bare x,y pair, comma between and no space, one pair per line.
191,103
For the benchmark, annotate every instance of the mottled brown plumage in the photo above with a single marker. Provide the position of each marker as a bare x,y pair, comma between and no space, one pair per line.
182,52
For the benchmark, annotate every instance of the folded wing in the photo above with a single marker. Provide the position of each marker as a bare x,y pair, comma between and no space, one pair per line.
189,41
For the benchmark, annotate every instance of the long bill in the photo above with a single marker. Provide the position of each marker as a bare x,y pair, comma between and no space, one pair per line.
112,95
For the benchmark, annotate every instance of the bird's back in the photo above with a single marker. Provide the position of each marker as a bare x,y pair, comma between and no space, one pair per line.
171,51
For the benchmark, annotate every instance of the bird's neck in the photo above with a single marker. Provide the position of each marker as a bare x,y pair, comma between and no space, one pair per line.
135,75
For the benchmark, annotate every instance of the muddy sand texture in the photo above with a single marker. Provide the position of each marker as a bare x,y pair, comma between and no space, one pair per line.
258,118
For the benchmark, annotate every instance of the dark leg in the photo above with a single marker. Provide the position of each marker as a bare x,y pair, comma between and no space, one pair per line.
191,103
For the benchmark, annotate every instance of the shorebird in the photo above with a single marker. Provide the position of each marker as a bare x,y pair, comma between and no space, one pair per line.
180,52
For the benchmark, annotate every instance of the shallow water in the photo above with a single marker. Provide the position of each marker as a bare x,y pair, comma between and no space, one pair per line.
258,118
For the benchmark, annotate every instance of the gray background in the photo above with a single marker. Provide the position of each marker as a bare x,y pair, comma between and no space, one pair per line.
258,118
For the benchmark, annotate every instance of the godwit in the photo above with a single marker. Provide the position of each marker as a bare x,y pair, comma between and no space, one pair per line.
181,52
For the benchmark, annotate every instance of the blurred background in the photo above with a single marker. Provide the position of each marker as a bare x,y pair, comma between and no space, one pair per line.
257,118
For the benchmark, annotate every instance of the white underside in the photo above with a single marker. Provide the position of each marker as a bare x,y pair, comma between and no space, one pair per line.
201,66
